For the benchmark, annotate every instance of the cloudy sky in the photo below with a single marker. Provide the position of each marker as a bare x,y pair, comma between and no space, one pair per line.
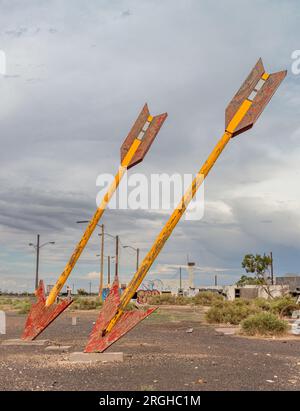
78,74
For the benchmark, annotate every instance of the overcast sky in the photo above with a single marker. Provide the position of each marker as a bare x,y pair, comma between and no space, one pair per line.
78,74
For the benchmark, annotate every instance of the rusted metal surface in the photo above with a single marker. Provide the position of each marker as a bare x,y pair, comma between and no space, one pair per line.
41,316
149,136
260,101
99,343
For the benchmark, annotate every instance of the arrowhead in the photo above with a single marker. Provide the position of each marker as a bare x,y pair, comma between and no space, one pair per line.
40,316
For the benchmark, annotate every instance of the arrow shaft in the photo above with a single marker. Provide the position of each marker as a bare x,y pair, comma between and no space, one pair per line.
93,223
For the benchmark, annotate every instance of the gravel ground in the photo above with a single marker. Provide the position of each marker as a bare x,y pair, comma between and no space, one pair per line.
159,355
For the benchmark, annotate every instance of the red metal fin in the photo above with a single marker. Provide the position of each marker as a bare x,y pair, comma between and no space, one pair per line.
107,312
40,316
148,138
99,343
261,99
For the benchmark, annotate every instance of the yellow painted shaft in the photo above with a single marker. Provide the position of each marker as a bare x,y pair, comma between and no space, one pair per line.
177,214
93,223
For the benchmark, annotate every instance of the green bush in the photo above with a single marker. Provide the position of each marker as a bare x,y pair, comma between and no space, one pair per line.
262,303
264,323
168,299
22,305
207,298
284,305
87,303
232,312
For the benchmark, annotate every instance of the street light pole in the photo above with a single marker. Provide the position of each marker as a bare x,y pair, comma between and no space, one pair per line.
101,263
37,261
37,247
117,258
101,256
137,254
108,271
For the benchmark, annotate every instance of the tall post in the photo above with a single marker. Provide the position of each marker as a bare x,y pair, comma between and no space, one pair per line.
216,280
108,270
101,263
117,257
137,258
37,262
180,279
90,284
272,272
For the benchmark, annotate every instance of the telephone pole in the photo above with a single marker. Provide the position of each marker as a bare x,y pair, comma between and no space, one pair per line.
37,247
117,258
272,272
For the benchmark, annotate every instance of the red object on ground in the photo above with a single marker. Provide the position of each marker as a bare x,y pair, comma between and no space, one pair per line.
99,343
41,316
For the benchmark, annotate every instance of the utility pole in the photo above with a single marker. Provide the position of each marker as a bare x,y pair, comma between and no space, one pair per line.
108,270
216,280
180,279
137,250
117,258
37,261
90,284
137,258
272,272
37,247
101,263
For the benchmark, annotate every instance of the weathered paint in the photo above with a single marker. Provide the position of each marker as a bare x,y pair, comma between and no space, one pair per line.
41,316
99,342
263,96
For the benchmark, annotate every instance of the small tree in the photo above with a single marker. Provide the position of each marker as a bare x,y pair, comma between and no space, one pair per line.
259,265
246,280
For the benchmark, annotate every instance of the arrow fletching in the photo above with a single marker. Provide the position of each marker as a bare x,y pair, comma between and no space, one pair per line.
258,88
144,130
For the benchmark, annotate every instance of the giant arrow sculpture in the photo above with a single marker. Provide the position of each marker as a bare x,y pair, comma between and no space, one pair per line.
241,114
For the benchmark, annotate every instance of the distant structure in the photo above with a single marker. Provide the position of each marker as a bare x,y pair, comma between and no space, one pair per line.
292,280
191,271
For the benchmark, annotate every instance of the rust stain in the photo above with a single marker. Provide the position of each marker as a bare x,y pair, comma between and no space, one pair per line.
99,343
40,316
149,136
260,101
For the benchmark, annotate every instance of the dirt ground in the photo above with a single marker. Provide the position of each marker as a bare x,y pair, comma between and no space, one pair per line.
159,355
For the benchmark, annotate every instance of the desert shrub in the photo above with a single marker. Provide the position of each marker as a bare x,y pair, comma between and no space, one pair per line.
264,323
207,298
168,299
262,303
5,301
283,305
22,305
232,312
81,303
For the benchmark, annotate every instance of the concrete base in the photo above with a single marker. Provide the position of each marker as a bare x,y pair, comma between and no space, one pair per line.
60,348
82,357
227,331
18,341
